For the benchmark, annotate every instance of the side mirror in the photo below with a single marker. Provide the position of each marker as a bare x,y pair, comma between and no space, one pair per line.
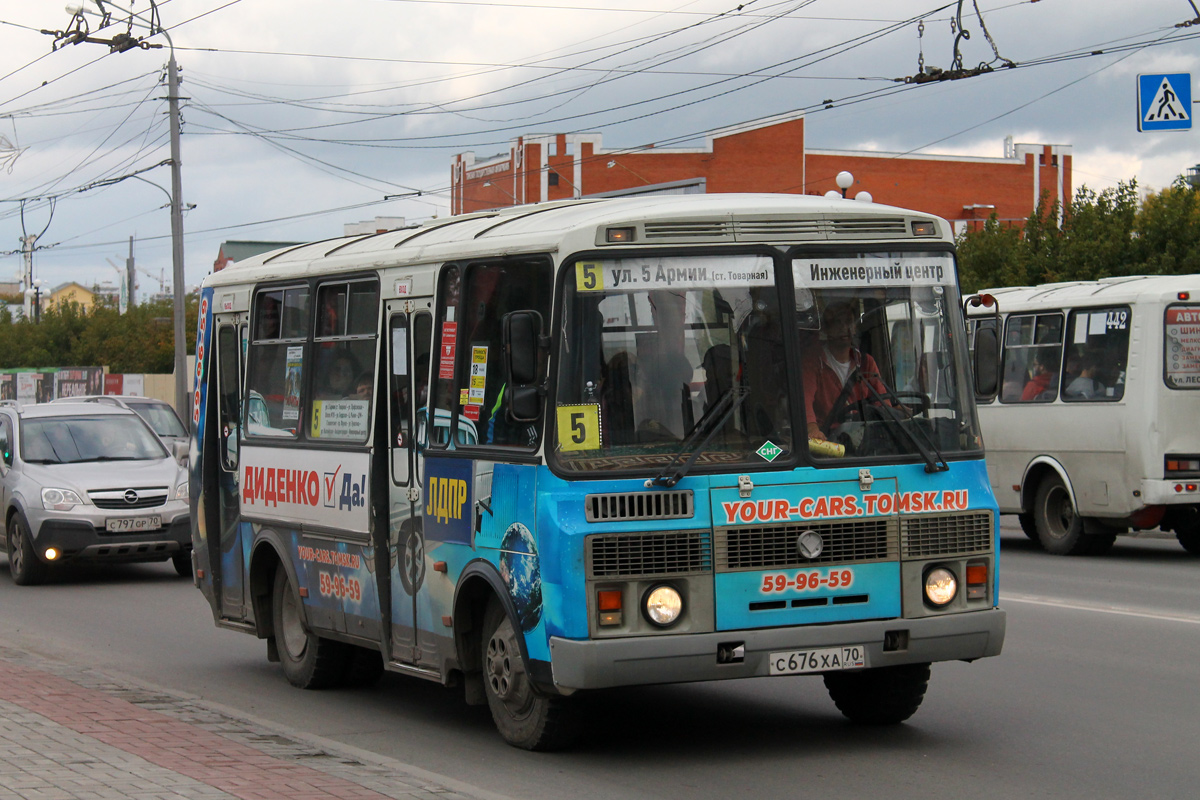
986,365
522,361
180,450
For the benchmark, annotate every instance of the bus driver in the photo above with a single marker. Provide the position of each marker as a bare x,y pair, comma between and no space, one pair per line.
836,374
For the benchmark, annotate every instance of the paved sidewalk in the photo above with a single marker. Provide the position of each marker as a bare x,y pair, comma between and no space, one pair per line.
77,734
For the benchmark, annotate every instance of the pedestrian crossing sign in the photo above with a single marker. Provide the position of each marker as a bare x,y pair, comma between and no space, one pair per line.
1165,102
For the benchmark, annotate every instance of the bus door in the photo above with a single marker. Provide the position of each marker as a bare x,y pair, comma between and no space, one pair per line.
229,566
409,336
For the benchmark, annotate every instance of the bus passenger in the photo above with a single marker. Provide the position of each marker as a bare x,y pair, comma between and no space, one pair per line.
1085,386
837,373
1044,383
339,380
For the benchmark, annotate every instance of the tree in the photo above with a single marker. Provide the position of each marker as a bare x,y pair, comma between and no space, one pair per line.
1101,235
141,340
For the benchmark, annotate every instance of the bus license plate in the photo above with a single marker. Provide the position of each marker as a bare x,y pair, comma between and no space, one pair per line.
828,659
133,524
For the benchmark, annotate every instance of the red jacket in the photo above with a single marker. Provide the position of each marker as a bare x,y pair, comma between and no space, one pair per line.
822,387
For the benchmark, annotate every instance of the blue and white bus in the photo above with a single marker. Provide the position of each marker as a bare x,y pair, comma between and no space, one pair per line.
572,446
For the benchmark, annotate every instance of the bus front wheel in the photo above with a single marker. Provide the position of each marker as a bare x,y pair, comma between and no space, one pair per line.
309,661
880,696
1059,528
525,717
1028,526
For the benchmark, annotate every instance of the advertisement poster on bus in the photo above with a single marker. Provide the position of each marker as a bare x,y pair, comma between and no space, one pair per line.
1183,346
306,487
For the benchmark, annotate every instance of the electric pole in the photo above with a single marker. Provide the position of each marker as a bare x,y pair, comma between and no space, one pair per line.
181,391
130,277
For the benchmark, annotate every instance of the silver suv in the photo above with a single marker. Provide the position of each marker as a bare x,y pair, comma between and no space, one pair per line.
88,481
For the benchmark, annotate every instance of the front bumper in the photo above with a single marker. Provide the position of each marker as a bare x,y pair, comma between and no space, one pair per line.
598,664
81,540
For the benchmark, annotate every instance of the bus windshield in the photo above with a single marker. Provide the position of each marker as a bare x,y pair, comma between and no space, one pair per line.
659,352
673,359
883,364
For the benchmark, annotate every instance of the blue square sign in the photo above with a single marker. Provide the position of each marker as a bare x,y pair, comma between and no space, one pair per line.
1165,102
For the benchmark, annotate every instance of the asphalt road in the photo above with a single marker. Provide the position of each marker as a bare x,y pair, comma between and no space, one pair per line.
1094,696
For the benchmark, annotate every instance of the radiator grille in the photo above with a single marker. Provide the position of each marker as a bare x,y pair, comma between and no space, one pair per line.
774,547
114,499
638,506
628,555
946,534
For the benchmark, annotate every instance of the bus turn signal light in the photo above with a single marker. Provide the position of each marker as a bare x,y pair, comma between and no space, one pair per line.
976,581
608,601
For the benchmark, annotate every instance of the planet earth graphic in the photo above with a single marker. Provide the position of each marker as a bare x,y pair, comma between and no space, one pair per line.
521,573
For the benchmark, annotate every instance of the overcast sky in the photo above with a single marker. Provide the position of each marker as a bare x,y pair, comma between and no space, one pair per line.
302,115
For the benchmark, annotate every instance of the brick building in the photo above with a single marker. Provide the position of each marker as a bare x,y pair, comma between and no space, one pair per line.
767,155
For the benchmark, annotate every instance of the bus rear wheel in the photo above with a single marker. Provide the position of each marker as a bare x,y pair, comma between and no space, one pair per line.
309,661
879,696
1190,540
525,717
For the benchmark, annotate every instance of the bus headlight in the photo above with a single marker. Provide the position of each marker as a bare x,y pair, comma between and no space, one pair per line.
940,586
663,605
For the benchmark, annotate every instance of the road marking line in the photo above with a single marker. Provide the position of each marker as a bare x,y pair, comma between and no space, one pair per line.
1125,612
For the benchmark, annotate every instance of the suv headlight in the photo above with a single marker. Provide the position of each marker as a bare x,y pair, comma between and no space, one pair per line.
60,499
181,491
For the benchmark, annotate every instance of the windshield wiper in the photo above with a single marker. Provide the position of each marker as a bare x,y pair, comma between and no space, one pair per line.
43,461
934,460
106,458
709,423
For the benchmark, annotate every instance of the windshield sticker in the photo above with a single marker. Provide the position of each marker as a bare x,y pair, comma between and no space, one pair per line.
449,343
479,355
579,427
674,272
1183,346
833,507
769,451
872,270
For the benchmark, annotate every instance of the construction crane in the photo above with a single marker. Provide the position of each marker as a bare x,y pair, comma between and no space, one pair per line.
164,288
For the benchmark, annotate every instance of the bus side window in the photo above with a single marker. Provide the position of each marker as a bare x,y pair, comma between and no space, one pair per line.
408,389
229,383
275,362
492,290
344,348
1032,358
1098,349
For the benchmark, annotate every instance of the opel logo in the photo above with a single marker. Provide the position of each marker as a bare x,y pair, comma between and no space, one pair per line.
131,496
809,545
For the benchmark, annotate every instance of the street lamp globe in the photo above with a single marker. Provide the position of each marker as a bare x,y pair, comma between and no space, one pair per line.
844,180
